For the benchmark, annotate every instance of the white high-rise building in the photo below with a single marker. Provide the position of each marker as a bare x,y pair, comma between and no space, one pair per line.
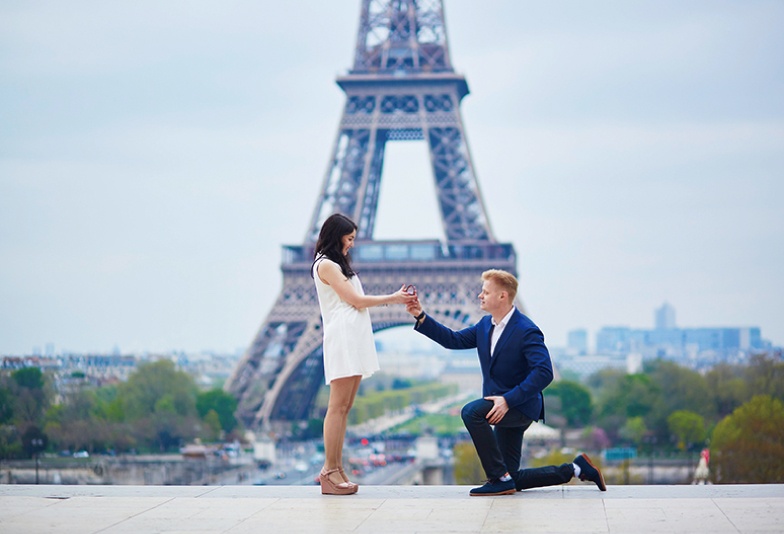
665,317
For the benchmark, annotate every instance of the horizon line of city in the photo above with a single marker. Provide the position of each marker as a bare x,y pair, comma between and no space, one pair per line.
576,340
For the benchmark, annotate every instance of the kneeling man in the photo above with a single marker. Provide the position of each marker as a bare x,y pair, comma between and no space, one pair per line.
516,368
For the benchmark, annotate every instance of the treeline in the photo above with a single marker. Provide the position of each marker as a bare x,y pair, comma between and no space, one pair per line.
737,411
666,406
158,409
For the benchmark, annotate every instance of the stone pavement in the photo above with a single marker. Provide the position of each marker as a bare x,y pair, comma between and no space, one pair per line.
399,509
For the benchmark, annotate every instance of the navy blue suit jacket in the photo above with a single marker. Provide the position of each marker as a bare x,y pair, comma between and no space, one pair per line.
520,368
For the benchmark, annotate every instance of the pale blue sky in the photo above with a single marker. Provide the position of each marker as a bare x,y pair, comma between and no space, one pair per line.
155,155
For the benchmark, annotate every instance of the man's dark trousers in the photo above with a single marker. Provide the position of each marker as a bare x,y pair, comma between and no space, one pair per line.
499,449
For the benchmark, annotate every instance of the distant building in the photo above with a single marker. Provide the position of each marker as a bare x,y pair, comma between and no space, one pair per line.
695,346
74,371
625,339
665,317
622,347
700,345
577,341
619,339
573,366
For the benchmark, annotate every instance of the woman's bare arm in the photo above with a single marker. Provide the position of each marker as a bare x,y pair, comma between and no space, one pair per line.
329,272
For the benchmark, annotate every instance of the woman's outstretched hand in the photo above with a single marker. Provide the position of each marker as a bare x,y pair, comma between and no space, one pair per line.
404,295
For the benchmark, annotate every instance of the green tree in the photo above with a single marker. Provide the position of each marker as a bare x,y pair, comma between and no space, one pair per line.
70,424
629,396
468,468
604,379
748,445
10,442
402,383
223,404
91,419
687,427
29,377
31,396
765,375
576,403
636,395
154,381
212,426
6,402
728,388
109,405
633,430
159,402
680,389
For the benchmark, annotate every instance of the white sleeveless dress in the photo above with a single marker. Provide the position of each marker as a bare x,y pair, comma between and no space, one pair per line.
349,347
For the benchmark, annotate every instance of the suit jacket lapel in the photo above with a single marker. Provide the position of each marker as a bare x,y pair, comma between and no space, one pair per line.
505,335
485,347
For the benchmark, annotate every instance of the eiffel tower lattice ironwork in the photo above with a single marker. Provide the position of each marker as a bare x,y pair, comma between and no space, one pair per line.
402,87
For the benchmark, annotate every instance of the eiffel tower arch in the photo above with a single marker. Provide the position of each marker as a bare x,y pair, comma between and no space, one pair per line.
402,87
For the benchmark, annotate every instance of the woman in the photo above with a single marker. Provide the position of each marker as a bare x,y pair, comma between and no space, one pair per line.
349,348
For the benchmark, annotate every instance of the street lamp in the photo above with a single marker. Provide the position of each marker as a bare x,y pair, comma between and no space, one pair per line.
37,444
650,442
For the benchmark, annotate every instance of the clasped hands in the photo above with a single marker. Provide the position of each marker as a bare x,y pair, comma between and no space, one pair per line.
406,295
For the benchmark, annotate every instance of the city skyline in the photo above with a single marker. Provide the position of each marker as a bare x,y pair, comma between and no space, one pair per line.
400,339
154,158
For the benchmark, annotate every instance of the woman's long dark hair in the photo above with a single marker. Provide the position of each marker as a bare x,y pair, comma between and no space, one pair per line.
330,242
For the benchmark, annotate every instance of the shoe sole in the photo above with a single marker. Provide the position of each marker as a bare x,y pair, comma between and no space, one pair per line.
602,486
338,493
505,492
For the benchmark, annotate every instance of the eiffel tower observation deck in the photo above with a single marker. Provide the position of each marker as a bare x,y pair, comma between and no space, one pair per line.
402,87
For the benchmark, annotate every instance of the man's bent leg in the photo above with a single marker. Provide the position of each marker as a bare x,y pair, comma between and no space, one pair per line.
509,436
474,416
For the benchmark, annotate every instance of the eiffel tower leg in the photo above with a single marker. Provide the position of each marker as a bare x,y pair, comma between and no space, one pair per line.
292,392
285,356
458,191
371,185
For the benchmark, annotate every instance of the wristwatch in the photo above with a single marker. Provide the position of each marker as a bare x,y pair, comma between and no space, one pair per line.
420,316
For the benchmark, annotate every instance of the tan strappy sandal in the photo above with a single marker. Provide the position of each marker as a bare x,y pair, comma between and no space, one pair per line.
330,488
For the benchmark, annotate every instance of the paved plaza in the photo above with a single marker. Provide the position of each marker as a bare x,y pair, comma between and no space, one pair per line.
399,509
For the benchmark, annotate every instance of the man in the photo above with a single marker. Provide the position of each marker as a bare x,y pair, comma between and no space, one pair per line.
516,368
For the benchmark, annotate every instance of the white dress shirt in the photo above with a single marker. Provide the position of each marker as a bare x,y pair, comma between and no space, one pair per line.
498,329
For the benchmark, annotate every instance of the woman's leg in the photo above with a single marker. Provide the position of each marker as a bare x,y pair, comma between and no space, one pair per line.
345,422
341,397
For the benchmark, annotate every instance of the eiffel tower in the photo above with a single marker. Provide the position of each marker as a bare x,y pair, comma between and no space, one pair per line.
402,87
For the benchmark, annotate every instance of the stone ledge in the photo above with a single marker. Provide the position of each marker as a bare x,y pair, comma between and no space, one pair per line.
570,491
245,509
